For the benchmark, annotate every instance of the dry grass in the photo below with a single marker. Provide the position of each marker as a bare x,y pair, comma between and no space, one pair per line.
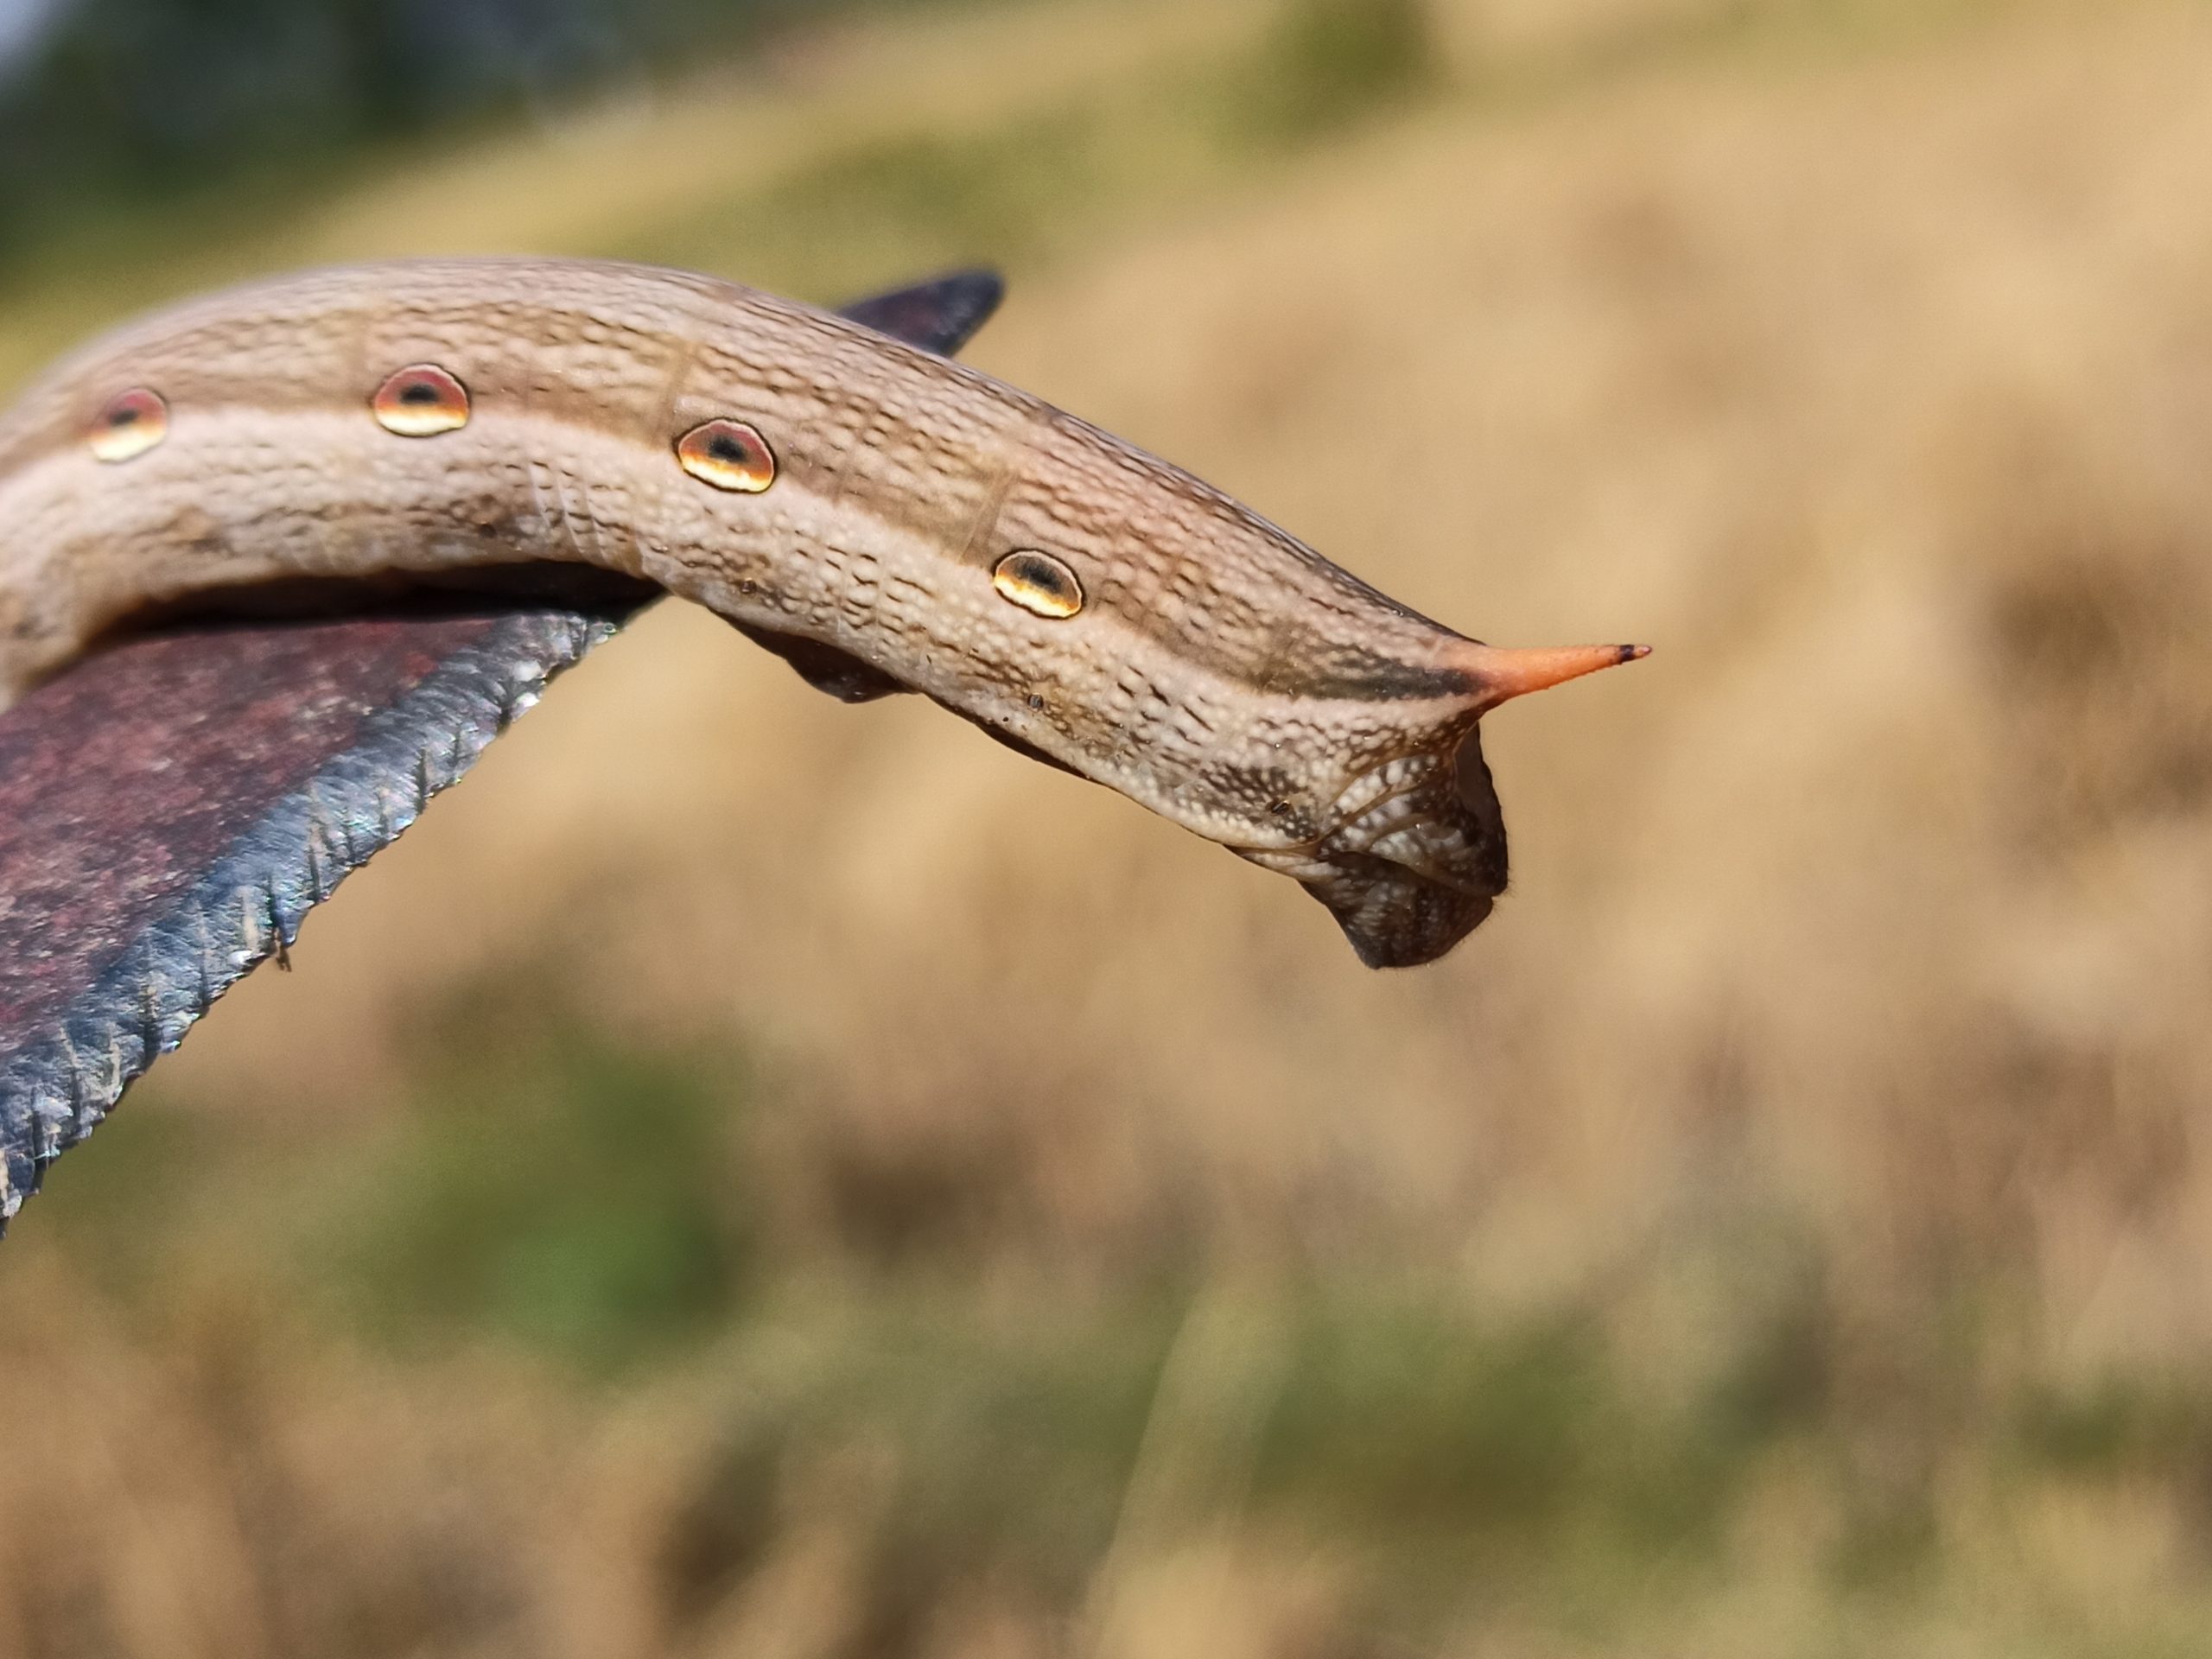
1780,1230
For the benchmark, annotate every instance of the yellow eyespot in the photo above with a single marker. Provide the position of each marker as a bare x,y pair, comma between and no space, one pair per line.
420,401
728,454
1037,583
131,424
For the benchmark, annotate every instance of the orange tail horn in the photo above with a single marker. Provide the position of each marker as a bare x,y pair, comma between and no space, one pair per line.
1509,673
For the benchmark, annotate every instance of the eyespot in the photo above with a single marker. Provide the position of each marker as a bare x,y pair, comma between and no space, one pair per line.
132,423
729,455
1038,583
420,401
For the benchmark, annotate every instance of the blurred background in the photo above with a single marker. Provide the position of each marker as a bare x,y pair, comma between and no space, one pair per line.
748,1175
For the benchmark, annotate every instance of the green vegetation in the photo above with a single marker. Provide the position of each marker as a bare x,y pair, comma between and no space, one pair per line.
583,1205
1330,62
563,1192
1021,188
125,102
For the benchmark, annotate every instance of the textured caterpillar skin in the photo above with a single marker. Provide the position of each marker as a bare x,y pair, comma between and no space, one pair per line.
1218,671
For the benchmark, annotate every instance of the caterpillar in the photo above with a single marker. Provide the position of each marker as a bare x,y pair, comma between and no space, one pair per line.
883,518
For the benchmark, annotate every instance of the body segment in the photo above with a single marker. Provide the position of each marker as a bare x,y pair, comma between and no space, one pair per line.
887,518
